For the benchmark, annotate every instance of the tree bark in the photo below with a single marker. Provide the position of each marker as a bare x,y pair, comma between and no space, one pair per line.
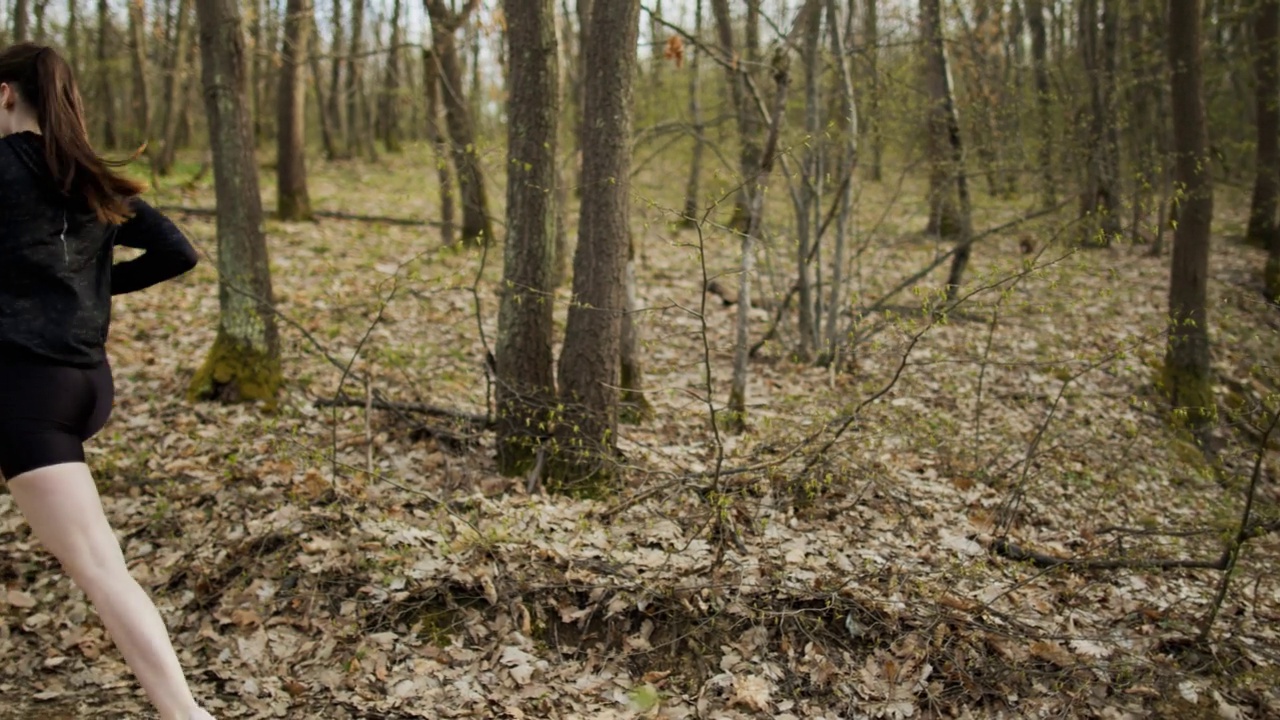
586,435
476,225
292,199
810,198
1266,185
635,406
244,362
439,144
138,50
1187,371
359,130
73,36
526,378
175,88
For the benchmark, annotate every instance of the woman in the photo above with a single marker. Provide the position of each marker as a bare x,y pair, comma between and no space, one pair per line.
62,210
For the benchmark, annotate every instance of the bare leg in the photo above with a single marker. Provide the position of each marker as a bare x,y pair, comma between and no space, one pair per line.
61,504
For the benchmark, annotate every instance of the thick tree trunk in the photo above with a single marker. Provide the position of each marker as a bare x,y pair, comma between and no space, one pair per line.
526,377
439,144
244,362
1187,372
175,88
106,98
1040,63
1266,185
747,116
476,225
692,201
586,435
292,200
138,52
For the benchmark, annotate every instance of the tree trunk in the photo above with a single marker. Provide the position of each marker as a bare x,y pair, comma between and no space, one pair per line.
1099,202
583,11
946,126
848,159
244,362
21,21
106,98
560,260
635,406
40,8
391,92
1040,63
328,132
736,418
476,226
138,50
586,435
439,144
337,119
806,227
1187,372
692,202
875,136
747,116
292,200
359,133
73,37
944,213
526,377
175,88
1266,186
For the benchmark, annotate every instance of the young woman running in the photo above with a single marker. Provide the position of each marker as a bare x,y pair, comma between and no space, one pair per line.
62,210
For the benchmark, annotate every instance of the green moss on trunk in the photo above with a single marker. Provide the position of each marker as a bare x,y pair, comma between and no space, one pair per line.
1190,392
236,372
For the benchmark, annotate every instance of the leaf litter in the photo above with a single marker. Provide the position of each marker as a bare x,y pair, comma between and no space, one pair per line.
321,562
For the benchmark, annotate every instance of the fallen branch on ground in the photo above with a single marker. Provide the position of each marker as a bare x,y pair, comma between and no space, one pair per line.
331,214
479,421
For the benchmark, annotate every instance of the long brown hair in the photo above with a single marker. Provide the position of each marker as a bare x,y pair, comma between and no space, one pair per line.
44,80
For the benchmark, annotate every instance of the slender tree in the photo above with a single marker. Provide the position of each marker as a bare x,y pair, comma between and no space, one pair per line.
1187,372
589,369
328,131
175,87
439,143
692,201
244,362
292,200
337,119
1040,66
391,86
748,117
875,133
138,50
476,225
106,98
21,21
526,377
1099,201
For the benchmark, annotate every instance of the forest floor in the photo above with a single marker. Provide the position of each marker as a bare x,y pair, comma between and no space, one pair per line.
320,561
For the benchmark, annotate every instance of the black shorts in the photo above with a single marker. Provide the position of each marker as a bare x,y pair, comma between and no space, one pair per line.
48,411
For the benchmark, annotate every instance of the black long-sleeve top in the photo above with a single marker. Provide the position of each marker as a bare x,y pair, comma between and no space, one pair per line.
57,275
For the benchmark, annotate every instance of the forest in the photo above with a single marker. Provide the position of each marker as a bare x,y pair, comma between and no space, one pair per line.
686,359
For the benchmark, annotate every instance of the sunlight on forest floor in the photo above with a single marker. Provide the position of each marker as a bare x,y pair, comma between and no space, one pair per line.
867,583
